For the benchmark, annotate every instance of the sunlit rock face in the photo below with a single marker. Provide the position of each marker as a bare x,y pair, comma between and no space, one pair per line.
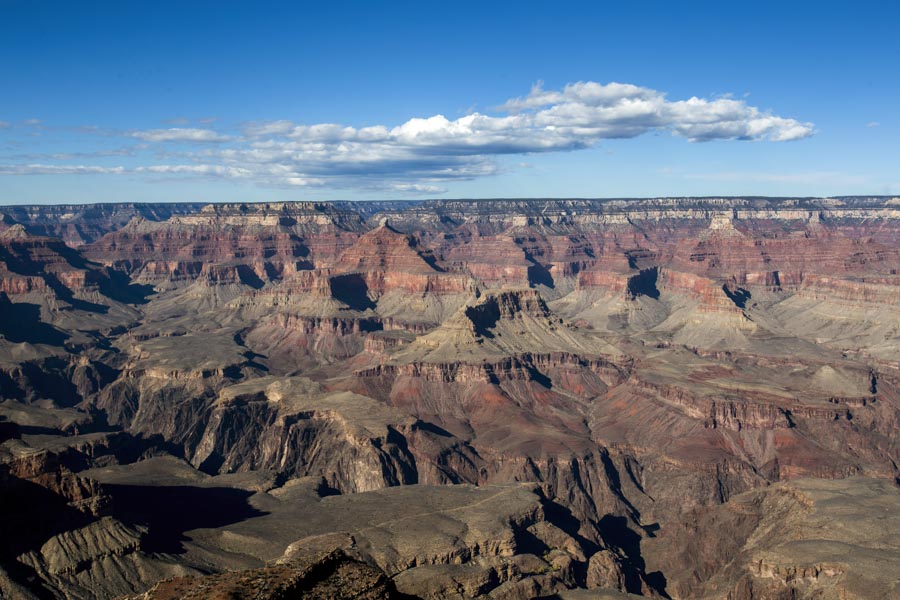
501,398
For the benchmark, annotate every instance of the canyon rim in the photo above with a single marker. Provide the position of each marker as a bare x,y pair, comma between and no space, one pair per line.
490,300
692,397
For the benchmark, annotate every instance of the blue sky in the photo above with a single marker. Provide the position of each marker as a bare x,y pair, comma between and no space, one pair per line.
221,101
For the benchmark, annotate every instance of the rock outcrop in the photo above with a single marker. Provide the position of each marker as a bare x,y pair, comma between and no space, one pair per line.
506,399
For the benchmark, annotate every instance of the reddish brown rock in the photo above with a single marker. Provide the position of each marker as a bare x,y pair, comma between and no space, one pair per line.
642,363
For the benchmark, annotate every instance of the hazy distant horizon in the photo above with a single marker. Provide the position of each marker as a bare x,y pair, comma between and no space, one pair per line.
885,197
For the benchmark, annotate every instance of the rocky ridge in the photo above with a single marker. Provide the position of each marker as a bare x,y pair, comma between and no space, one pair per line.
556,395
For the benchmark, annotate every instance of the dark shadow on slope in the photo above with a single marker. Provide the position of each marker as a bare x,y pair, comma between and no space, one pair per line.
632,261
10,389
112,284
64,293
211,464
21,322
616,534
31,514
431,261
249,277
50,378
74,257
298,248
424,253
431,428
644,284
615,483
737,295
539,377
538,274
170,511
351,289
118,286
18,263
9,430
402,469
484,317
562,517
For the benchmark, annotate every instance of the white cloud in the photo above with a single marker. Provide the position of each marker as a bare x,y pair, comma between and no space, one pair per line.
180,134
421,154
417,188
440,149
5,124
219,170
590,111
43,169
269,128
579,115
272,174
873,124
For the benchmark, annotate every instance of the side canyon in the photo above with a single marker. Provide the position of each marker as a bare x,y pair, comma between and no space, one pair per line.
672,397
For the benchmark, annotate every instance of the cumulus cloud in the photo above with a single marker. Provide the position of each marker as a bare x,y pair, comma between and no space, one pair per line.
180,134
430,150
590,111
5,124
423,153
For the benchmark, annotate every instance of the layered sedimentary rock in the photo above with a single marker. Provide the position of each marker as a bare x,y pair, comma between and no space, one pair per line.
78,224
268,240
506,398
803,539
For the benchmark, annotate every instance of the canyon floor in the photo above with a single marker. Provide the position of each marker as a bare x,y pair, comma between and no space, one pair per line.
674,398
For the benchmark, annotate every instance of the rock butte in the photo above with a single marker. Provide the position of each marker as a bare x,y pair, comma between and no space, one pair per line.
672,397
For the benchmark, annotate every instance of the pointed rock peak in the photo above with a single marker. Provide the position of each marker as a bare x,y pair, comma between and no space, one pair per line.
387,248
14,232
387,236
137,222
384,226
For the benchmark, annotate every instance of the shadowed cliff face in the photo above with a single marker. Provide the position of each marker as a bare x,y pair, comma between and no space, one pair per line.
504,398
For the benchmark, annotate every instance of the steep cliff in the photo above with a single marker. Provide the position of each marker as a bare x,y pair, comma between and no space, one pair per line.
505,398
